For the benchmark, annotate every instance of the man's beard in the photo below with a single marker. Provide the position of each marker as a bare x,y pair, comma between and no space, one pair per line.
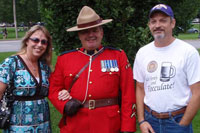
159,36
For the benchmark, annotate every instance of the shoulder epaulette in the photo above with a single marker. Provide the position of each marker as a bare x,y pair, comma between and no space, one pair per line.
66,52
112,48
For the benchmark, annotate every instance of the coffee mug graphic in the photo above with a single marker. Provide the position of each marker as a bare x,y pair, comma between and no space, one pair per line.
167,71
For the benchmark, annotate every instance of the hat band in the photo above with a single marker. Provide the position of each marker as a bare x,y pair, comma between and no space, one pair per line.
90,23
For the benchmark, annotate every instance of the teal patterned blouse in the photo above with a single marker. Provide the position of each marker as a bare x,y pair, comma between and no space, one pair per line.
27,115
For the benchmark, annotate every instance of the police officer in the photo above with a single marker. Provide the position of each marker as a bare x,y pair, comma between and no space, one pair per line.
102,72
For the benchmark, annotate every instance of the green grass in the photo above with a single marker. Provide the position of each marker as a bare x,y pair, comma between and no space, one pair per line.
189,36
196,26
55,115
4,55
11,33
21,33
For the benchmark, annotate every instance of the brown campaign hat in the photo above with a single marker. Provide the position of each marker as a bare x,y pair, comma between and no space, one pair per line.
88,18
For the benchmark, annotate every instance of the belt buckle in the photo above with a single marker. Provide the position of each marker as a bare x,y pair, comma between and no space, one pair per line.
91,104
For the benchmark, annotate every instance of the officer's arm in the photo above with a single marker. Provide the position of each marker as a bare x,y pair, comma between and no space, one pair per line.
56,85
128,100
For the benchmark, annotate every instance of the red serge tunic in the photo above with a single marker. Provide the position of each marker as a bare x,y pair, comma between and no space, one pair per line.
94,84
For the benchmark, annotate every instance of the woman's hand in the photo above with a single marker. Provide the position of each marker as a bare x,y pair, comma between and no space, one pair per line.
64,95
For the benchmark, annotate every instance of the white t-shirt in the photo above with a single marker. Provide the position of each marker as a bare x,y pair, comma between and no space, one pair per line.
167,72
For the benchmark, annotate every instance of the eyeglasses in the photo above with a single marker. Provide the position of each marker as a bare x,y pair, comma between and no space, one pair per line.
37,40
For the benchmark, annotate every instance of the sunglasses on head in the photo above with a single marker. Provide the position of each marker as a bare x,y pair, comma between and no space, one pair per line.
37,40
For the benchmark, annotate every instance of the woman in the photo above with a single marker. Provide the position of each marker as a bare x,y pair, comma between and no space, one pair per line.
30,70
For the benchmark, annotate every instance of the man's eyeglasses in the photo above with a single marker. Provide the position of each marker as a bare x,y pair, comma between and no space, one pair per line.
37,40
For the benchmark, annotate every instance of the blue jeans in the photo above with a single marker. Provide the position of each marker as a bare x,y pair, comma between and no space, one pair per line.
169,125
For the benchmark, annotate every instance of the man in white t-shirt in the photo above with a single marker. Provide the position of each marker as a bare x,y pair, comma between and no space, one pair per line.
167,72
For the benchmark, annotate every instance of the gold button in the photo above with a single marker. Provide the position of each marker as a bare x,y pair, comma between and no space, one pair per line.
90,95
110,73
90,82
70,74
90,70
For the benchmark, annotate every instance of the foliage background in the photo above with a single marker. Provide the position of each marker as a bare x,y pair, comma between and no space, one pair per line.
120,33
129,29
26,11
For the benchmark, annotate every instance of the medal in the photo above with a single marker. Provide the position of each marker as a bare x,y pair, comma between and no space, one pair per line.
112,69
107,66
116,69
111,65
103,67
116,66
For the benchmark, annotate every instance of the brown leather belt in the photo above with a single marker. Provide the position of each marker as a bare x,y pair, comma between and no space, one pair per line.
166,114
92,104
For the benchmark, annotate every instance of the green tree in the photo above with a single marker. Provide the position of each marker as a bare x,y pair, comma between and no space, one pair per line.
198,15
121,33
185,11
6,11
129,29
26,10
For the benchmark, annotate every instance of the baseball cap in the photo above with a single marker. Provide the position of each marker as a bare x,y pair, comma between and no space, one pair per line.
162,8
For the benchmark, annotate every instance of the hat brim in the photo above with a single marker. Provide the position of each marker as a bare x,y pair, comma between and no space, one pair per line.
158,10
75,28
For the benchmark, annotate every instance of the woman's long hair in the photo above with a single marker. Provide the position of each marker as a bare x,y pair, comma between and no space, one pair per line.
47,55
